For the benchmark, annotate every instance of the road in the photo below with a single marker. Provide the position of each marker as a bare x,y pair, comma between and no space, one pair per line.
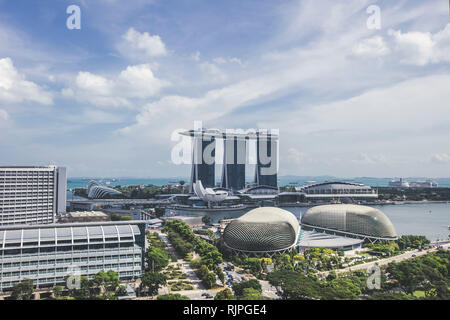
398,258
199,289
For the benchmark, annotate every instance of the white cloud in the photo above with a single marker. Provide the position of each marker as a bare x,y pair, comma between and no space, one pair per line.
3,115
441,158
422,48
139,82
196,56
14,88
295,156
135,82
93,116
143,44
213,71
365,159
372,47
221,60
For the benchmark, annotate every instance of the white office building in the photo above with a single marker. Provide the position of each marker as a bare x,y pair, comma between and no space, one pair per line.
32,194
47,254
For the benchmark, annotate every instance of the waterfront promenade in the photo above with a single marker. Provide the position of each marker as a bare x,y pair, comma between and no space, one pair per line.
398,258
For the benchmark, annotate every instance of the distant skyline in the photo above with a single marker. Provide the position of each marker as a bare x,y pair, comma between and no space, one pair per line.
349,101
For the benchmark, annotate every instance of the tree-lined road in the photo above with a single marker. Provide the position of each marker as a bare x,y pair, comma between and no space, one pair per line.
398,258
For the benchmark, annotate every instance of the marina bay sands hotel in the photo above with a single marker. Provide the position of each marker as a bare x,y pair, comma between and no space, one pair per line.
236,147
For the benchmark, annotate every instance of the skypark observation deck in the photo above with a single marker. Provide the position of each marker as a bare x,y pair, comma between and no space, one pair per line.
250,134
234,157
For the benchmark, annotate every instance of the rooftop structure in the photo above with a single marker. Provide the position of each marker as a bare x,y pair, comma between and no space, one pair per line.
84,216
399,183
313,239
208,194
96,191
423,184
349,220
262,230
48,253
337,190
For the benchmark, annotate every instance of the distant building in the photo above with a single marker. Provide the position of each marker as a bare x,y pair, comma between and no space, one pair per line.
233,172
32,194
235,148
47,254
353,221
413,184
96,191
135,214
209,195
270,143
423,184
337,190
399,183
201,170
286,198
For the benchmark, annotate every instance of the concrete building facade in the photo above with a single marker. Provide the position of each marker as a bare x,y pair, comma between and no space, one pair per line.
32,195
47,254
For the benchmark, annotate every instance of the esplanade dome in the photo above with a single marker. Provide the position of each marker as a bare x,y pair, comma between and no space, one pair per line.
349,219
265,229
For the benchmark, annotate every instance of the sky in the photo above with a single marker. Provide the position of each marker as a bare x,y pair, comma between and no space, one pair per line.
107,99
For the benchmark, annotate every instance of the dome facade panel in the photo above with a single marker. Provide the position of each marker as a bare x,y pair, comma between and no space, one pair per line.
264,229
353,219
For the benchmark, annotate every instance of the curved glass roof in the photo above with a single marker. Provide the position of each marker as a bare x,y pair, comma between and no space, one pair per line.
353,219
17,234
262,230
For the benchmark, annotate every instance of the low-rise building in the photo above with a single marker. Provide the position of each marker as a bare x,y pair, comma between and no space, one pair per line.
47,254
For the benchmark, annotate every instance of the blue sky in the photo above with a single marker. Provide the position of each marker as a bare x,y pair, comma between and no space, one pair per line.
348,100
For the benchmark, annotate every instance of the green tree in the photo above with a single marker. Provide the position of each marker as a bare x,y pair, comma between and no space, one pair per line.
85,291
225,295
255,266
152,281
23,290
159,212
57,292
295,285
210,280
206,220
172,296
157,259
238,287
203,271
220,275
106,283
251,294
